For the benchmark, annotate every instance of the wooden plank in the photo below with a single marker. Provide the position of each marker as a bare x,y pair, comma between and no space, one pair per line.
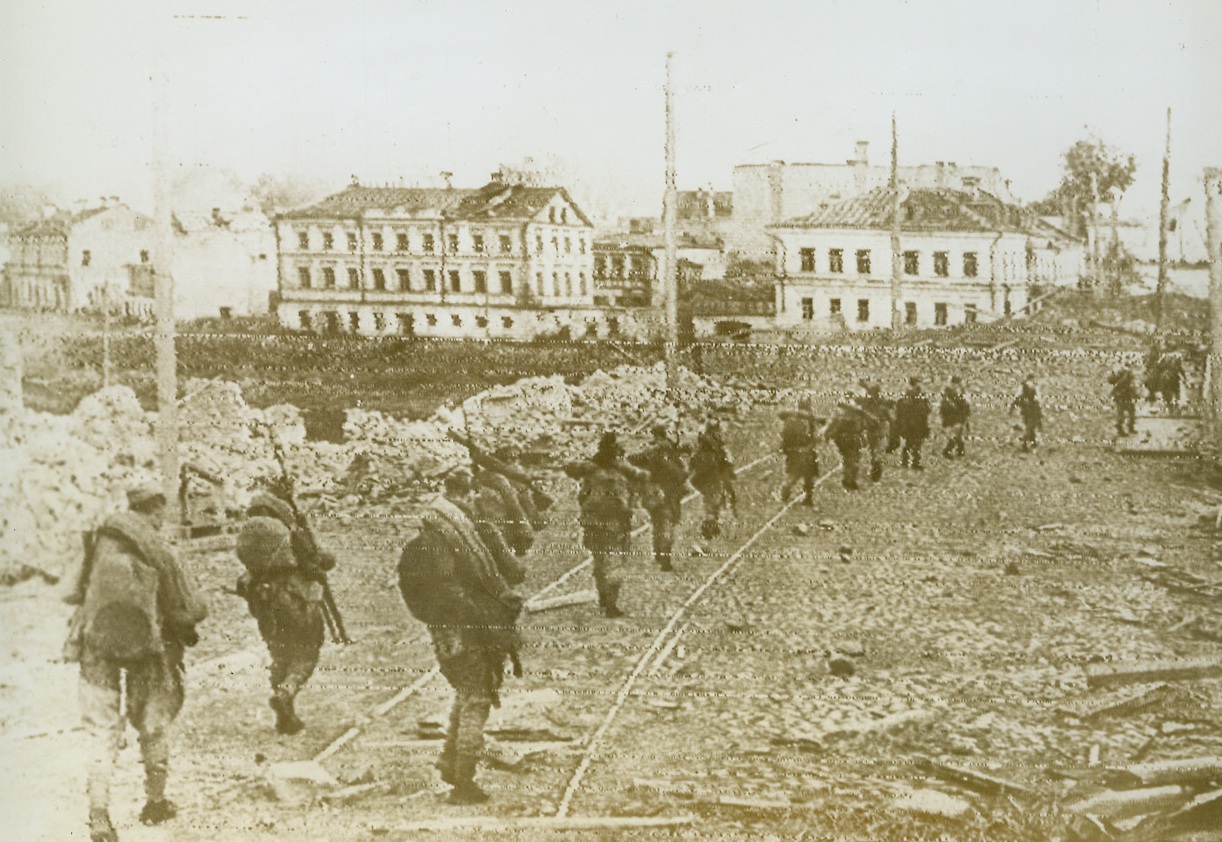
565,601
543,823
1130,672
1188,770
973,779
1129,803
1127,702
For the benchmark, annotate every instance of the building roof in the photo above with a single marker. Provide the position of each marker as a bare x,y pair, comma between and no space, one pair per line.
641,240
922,210
493,201
58,223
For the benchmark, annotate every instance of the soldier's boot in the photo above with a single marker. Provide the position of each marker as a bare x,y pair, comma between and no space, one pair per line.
959,451
100,827
609,599
159,811
916,462
947,451
445,764
663,558
466,790
876,470
904,459
287,721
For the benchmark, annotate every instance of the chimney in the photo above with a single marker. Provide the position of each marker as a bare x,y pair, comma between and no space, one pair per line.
449,179
497,177
863,152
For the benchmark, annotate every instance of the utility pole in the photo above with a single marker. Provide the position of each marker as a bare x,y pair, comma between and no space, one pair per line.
671,268
897,318
105,332
163,284
1213,242
1163,208
1097,266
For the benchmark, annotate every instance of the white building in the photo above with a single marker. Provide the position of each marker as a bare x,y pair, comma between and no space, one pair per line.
965,257
224,264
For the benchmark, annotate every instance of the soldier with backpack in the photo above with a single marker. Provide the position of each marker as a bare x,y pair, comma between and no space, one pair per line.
284,594
136,613
463,589
912,423
876,418
1028,405
713,477
664,492
1124,395
799,437
846,430
956,413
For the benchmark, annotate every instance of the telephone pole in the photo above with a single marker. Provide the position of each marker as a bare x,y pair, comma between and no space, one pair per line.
671,267
897,318
1163,208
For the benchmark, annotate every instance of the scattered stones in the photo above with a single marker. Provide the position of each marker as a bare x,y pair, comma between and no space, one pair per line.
299,782
801,529
933,803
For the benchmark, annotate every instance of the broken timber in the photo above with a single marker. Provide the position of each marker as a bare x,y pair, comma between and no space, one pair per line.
1130,803
1137,699
972,779
546,823
579,598
1189,770
1129,672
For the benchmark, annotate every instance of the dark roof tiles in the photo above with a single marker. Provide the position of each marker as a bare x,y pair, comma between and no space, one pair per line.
921,210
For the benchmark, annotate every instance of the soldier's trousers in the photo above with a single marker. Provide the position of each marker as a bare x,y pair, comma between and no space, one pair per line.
714,497
800,466
474,675
954,440
1126,416
851,457
153,689
1030,433
610,553
294,648
663,520
468,716
911,450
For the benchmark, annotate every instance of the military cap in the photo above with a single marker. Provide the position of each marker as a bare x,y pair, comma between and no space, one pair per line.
459,480
266,501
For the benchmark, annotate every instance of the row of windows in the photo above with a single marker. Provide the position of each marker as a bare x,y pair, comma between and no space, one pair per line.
940,311
428,243
453,277
912,262
87,256
330,322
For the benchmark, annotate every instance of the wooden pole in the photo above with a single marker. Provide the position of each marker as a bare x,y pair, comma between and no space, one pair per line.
1213,241
1163,208
105,333
1096,268
897,318
671,278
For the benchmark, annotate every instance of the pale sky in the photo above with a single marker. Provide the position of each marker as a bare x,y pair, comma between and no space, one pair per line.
390,89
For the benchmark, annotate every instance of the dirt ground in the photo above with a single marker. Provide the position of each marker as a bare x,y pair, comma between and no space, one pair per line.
968,598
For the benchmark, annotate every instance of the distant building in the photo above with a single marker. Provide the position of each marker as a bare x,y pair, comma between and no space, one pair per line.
504,260
768,194
65,260
628,267
966,257
224,263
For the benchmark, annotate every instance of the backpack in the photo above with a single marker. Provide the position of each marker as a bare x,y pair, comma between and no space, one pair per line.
121,620
417,579
264,546
795,432
605,500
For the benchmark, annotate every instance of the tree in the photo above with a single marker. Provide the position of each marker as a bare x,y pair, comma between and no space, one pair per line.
278,193
1112,170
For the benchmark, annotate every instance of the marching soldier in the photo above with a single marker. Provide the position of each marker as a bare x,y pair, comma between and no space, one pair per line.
877,422
956,413
607,484
912,424
799,438
1028,405
713,477
463,589
847,432
137,611
1124,396
664,492
283,590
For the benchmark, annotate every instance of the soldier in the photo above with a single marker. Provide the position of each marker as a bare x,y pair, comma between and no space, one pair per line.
956,413
1124,395
605,498
283,590
912,423
498,502
877,422
464,591
713,477
137,611
664,493
847,431
1028,405
799,438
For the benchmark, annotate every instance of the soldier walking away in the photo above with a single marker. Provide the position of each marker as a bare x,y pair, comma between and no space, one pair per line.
605,498
912,424
283,590
847,431
136,612
799,444
1124,396
956,413
877,422
463,590
1028,405
664,493
713,477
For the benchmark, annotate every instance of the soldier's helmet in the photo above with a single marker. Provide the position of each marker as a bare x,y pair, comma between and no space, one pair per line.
266,504
609,449
144,496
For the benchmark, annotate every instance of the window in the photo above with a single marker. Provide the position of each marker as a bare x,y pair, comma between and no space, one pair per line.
581,244
330,321
506,244
379,279
456,320
354,321
613,325
351,241
455,281
969,264
144,256
379,322
808,259
808,309
328,240
506,282
401,241
835,260
1007,307
863,261
910,313
551,215
430,243
941,264
539,282
969,314
303,319
564,215
617,266
538,244
568,283
834,306
481,280
568,246
430,280
912,263
481,322
303,239
431,319
452,243
556,245
600,266
477,242
506,322
555,283
863,309
303,276
86,257
407,324
405,278
377,241
939,313
328,277
581,289
354,278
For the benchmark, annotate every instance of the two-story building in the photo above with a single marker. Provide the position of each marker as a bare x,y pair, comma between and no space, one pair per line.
965,257
628,267
506,260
